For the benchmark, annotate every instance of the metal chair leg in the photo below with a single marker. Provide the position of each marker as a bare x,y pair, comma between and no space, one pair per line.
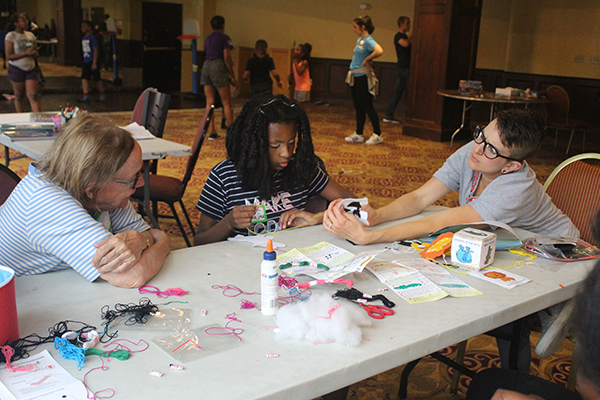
187,217
403,391
460,356
187,241
570,140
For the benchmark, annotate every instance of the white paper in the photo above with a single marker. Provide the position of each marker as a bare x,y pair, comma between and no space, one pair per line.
257,241
49,381
361,215
441,277
138,132
500,277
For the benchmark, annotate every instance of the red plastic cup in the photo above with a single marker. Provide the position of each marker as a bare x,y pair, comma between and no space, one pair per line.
9,323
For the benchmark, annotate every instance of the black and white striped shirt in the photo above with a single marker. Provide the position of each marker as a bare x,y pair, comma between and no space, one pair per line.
222,192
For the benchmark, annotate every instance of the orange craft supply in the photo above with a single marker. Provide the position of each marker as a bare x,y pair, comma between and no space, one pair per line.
438,246
269,246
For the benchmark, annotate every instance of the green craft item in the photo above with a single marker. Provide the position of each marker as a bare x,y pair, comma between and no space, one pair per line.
121,355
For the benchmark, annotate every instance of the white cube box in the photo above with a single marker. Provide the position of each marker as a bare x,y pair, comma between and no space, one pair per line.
507,92
473,248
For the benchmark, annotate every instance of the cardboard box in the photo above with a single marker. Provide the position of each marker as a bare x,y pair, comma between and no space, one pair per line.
470,87
508,92
473,248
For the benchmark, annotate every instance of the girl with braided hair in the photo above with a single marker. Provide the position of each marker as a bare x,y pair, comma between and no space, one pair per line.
270,172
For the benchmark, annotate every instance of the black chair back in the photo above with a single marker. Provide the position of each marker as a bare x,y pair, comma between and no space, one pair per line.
8,181
197,146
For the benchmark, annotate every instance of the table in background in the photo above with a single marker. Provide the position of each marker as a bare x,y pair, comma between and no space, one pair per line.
486,97
152,149
303,370
50,46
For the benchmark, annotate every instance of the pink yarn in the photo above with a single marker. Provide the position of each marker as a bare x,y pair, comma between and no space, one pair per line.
246,305
119,346
232,288
226,330
95,395
329,314
8,353
178,292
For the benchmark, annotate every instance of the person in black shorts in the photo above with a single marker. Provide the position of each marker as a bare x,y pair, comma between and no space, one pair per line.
90,70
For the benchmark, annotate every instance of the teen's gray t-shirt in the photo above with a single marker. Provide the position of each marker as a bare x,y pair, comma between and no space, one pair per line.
517,199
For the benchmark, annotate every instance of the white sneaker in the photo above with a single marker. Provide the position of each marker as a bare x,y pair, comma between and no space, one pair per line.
375,139
355,138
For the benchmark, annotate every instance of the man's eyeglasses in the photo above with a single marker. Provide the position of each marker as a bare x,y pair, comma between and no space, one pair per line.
488,149
135,181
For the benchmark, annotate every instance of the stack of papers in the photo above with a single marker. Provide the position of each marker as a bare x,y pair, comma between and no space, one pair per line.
138,132
48,381
28,131
420,281
339,261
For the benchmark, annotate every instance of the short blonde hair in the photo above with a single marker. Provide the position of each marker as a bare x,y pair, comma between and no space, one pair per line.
86,156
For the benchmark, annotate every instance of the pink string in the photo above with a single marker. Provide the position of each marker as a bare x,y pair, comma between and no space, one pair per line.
119,346
178,292
8,353
246,305
329,314
232,288
226,330
95,395
287,281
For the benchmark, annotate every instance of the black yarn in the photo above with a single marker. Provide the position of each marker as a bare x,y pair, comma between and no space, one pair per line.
23,346
355,294
135,313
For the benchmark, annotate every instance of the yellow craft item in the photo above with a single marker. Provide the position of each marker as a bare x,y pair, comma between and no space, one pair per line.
522,252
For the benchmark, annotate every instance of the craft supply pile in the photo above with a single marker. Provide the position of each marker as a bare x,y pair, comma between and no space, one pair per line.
314,294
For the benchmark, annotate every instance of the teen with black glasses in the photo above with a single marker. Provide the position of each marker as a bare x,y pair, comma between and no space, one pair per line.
494,184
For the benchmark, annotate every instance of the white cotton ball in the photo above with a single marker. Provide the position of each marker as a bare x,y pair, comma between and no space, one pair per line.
290,323
321,319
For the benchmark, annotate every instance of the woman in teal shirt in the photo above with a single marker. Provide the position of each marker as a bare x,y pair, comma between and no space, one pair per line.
362,80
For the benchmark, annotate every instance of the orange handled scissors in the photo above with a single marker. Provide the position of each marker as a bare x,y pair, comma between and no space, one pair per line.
374,311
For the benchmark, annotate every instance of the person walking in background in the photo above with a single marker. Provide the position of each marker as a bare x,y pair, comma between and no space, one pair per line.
217,70
301,73
258,70
90,68
362,80
21,52
403,45
108,28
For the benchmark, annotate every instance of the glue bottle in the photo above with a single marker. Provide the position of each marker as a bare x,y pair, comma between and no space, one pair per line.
269,282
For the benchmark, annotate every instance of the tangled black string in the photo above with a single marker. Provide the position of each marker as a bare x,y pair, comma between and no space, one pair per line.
23,346
355,294
134,314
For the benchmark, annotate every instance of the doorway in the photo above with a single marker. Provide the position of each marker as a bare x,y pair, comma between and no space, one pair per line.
161,62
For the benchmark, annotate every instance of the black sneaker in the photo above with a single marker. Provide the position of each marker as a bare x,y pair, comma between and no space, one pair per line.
214,136
83,100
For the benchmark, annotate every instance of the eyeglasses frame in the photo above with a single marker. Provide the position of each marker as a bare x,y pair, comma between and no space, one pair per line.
134,183
479,129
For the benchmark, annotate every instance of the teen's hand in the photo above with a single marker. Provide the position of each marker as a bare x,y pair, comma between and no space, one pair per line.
241,216
295,217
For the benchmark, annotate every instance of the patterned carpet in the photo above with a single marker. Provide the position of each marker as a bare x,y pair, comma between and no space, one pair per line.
381,173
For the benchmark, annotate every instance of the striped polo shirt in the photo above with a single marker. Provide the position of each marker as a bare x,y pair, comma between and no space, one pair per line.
43,228
222,191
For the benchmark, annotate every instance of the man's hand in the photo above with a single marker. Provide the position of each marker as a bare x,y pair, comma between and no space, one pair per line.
118,253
